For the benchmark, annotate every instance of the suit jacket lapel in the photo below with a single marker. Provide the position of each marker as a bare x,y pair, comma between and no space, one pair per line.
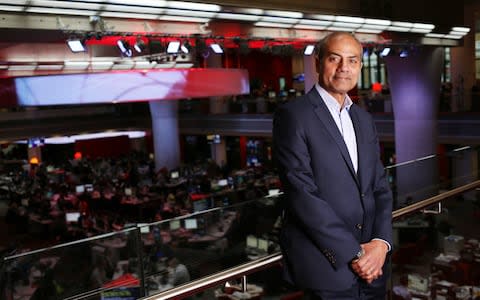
360,141
324,115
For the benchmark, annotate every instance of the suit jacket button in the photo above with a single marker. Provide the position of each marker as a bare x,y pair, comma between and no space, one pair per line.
359,226
362,196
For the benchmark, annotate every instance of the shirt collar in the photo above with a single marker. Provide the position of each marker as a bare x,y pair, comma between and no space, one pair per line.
331,102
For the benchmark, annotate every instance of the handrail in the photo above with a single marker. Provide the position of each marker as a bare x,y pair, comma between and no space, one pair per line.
203,283
434,200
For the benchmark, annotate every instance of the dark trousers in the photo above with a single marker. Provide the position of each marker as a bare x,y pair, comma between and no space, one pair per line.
359,291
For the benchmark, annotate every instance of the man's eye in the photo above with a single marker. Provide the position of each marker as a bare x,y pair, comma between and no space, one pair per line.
334,59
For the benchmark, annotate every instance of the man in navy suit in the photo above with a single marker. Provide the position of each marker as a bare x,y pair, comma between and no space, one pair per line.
337,228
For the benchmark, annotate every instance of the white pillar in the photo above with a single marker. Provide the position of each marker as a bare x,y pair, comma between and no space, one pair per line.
217,106
415,87
309,72
166,141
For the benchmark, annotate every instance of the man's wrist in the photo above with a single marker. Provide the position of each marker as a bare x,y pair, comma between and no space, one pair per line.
360,253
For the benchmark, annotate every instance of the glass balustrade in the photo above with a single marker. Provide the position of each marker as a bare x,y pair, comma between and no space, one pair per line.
152,258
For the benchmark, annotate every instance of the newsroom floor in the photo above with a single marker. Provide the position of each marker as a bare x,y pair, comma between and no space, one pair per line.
459,213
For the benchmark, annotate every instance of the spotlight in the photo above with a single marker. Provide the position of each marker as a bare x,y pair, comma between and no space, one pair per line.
124,48
385,51
309,50
186,47
403,53
139,45
173,47
216,48
76,45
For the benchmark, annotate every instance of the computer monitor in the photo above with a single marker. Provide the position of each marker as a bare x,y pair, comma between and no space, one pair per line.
71,217
252,241
214,139
80,189
191,224
273,192
89,187
128,191
222,182
24,201
263,245
144,228
174,224
418,283
200,205
174,175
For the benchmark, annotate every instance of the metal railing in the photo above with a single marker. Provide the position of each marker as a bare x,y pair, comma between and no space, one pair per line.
202,284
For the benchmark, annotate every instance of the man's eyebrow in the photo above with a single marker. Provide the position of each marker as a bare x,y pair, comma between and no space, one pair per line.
337,54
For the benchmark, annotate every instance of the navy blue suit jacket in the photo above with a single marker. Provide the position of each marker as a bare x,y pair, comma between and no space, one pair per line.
329,209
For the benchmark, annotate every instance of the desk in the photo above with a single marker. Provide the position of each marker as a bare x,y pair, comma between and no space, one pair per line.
234,292
217,230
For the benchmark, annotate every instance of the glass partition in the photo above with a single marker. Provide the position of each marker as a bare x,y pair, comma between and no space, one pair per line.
425,177
437,256
172,252
197,245
78,268
150,258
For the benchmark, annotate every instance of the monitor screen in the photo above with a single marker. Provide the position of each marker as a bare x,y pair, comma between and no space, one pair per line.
25,201
72,217
222,182
128,191
191,224
174,175
273,192
89,187
144,228
80,189
200,205
174,224
417,283
263,245
214,139
252,241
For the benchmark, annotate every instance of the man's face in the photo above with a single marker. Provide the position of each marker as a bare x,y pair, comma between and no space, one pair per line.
340,67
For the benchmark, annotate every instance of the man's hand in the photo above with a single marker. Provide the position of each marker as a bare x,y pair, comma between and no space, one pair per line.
369,266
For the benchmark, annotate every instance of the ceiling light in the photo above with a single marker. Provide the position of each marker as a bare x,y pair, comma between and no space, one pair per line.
279,20
461,29
193,6
270,24
378,22
349,19
284,14
239,17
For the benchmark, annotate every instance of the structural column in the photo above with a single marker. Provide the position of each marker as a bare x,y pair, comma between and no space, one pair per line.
217,106
165,133
309,72
415,88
